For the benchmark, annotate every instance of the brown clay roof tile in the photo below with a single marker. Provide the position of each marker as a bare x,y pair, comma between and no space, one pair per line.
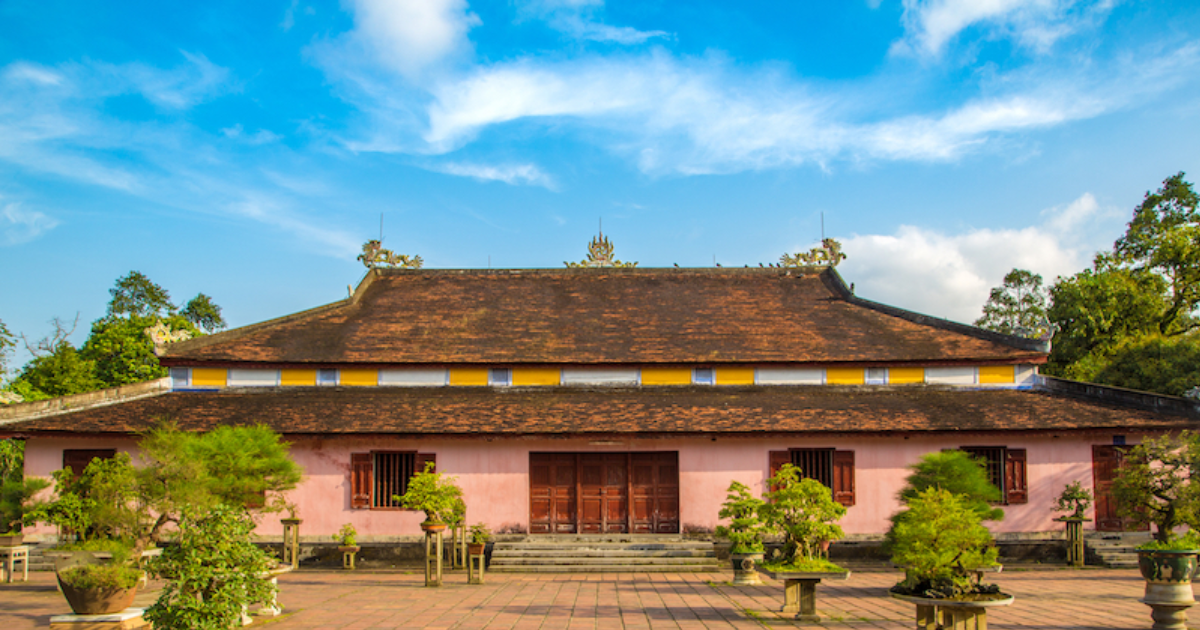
602,316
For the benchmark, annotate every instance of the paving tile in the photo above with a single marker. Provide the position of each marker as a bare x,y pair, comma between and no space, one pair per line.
1045,598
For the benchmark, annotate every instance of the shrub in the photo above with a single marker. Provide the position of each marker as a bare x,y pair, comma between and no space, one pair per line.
1074,499
101,576
746,528
214,572
347,535
437,496
1156,484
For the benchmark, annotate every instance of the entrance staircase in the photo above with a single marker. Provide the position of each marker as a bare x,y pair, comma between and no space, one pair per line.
603,553
1116,549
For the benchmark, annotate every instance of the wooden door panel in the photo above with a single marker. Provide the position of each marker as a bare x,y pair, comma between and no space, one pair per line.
552,493
1106,460
655,492
604,492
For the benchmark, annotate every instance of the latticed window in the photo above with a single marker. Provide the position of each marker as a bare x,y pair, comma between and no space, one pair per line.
1006,469
833,468
377,477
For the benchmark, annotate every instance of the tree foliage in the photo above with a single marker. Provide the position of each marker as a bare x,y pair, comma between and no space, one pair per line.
1159,483
7,342
1168,365
1115,321
940,542
1017,307
1163,238
213,571
746,527
123,353
136,295
57,369
958,472
204,314
804,512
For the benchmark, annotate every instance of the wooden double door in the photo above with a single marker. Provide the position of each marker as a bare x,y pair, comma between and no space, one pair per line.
604,493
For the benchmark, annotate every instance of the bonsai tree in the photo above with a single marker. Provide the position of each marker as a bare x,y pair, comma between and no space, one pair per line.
1074,499
214,572
804,512
940,541
433,494
480,534
1158,484
347,536
956,472
746,528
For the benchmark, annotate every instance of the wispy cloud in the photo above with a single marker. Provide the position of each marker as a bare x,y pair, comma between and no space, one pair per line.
52,121
1037,24
950,274
580,19
21,226
514,174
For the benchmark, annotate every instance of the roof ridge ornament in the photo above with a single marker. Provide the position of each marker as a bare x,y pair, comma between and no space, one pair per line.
160,335
375,256
829,254
600,254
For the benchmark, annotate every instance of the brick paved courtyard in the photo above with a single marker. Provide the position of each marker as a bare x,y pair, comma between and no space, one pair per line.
1090,598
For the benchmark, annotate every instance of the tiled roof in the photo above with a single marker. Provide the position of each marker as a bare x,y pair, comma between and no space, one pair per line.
603,316
567,410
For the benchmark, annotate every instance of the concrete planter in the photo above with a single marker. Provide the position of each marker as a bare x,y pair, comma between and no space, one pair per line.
93,601
1168,575
800,591
950,614
745,568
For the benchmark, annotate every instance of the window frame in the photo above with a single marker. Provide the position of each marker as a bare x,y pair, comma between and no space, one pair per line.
842,470
364,482
1010,466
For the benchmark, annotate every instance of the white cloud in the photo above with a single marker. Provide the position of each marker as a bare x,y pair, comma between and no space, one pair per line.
411,36
21,226
930,24
182,87
514,174
578,19
950,275
25,71
262,136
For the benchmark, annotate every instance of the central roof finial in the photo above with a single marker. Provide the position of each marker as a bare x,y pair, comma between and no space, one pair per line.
829,254
600,254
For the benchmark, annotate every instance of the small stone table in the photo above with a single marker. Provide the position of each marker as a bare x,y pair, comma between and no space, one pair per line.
13,555
800,591
948,614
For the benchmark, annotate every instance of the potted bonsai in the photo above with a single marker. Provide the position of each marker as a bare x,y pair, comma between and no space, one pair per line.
1156,485
347,538
744,532
433,494
480,535
1075,500
942,545
804,513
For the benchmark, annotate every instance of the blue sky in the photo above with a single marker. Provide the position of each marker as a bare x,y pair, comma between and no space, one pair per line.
247,150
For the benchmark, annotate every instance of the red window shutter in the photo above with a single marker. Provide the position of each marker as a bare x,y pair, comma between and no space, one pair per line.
78,459
360,480
420,459
1015,483
843,477
777,460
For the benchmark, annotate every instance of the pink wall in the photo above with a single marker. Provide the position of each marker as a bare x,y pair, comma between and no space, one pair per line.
494,475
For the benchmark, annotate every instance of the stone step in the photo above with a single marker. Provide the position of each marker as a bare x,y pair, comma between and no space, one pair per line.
603,553
587,568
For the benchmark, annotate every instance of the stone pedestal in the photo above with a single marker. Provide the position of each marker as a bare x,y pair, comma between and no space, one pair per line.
348,554
475,563
1076,551
127,619
433,558
800,592
945,614
458,546
291,541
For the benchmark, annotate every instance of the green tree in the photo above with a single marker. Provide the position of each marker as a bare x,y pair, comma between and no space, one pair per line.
1164,238
940,542
204,314
56,369
1160,483
804,512
959,473
214,571
1017,307
1094,310
134,294
123,353
1155,363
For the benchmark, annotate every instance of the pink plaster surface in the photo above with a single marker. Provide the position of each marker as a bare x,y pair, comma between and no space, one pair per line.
495,482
